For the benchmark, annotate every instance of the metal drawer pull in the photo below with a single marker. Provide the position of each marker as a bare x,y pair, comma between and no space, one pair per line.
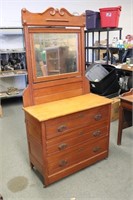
96,133
96,149
62,128
98,117
63,163
62,146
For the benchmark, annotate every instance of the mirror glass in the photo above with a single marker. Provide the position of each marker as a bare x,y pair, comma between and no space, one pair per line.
55,53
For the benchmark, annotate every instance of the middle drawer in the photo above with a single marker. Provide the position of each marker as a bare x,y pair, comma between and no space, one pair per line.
76,137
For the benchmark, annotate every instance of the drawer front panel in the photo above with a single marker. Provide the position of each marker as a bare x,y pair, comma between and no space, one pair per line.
82,152
75,138
67,123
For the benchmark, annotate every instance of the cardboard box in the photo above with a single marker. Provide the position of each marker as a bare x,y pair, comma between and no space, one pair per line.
115,109
103,43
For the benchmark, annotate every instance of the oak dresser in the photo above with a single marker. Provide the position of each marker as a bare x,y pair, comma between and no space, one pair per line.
67,135
67,126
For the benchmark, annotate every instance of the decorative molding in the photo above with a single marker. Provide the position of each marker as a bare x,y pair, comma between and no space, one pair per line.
52,17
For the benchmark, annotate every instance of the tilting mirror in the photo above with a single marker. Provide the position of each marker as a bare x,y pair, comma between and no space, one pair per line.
55,53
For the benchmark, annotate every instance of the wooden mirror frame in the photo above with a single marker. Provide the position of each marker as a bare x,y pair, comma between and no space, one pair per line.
46,89
60,31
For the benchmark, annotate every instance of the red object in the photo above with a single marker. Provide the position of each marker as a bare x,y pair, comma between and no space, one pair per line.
110,17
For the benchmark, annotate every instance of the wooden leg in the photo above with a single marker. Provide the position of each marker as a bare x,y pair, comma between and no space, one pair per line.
1,198
120,125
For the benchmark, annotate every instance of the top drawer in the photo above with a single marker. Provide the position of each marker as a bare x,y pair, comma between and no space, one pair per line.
62,125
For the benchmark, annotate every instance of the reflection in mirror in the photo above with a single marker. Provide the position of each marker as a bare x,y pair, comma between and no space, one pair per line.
55,53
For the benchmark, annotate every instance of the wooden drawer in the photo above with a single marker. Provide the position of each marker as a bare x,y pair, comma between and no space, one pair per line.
89,150
74,138
61,125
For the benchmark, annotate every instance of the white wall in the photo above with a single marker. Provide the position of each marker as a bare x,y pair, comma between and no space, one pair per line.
10,10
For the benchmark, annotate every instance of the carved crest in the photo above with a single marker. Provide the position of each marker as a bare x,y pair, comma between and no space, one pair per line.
52,17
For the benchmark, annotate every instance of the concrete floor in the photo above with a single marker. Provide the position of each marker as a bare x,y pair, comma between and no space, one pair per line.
110,179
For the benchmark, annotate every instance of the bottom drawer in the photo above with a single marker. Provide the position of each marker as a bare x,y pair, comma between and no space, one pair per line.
89,150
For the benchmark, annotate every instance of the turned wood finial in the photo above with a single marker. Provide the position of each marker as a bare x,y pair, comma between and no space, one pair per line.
24,10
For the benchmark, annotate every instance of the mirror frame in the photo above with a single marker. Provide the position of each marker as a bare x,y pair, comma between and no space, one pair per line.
58,76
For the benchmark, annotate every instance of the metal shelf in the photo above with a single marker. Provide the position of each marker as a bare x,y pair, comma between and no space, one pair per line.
92,47
103,29
15,77
4,74
4,95
9,51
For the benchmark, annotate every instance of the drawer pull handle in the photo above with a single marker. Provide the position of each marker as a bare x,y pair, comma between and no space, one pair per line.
98,117
96,133
96,149
62,128
62,146
63,163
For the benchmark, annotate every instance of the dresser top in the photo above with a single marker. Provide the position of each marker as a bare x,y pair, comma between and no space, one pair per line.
46,111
